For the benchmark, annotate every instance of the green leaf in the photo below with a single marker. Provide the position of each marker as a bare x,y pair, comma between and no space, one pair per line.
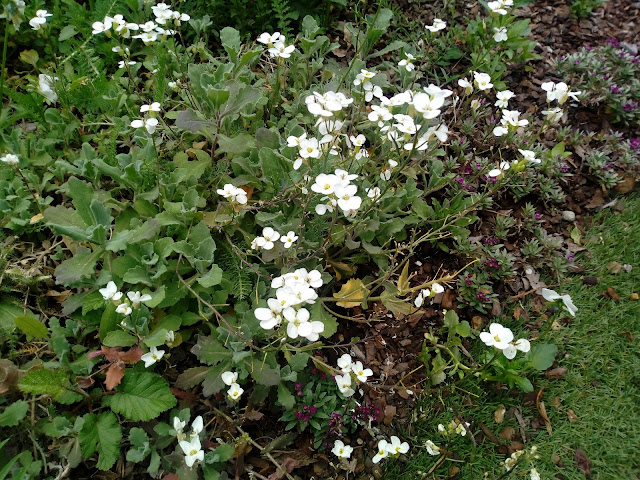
46,382
299,361
66,33
102,434
221,454
139,445
156,338
142,396
81,265
91,302
318,313
230,39
212,277
188,120
82,194
541,356
14,413
210,351
463,329
31,326
285,397
243,142
8,313
119,338
523,384
67,221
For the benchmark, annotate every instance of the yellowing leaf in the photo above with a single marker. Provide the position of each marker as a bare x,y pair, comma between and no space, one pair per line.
351,294
403,280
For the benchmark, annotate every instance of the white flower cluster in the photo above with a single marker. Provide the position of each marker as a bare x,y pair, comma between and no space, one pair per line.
510,118
40,19
350,369
231,380
270,236
293,290
425,293
370,90
192,449
150,31
453,428
553,296
276,45
233,193
325,104
393,449
502,338
338,191
559,91
111,292
10,159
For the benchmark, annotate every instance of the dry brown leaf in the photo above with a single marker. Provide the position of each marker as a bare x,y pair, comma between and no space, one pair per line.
556,373
582,461
614,267
498,415
114,375
507,433
572,416
633,296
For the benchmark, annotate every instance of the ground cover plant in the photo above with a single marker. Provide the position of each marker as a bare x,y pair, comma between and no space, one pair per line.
206,250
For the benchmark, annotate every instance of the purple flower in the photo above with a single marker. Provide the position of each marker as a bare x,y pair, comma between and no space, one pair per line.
615,89
538,216
613,42
588,48
629,107
634,144
482,297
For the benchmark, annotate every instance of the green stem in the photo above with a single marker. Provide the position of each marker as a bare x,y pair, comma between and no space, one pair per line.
4,61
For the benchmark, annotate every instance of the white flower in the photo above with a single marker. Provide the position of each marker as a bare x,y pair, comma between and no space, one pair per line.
341,450
101,27
386,171
553,115
408,62
10,159
269,39
432,448
503,98
136,298
293,141
347,198
234,194
192,451
40,19
498,336
383,451
124,63
147,37
396,447
499,6
529,156
373,193
229,378
437,25
501,34
280,50
152,356
344,384
235,392
170,337
428,105
299,324
363,77
178,425
512,118
310,148
325,184
534,475
45,86
197,426
152,107
379,114
522,344
345,363
313,279
500,131
269,317
124,309
552,296
289,239
437,288
110,292
358,141
150,124
270,236
360,372
559,91
464,83
482,80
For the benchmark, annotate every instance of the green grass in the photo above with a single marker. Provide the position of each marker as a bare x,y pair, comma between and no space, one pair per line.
602,385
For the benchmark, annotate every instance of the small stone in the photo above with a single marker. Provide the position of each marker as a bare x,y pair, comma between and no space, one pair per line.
568,215
629,47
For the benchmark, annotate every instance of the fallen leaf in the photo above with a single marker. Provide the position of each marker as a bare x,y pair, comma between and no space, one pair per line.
572,416
633,296
507,433
596,201
590,280
490,435
498,415
556,373
114,375
612,294
543,411
625,185
582,461
628,334
614,267
389,413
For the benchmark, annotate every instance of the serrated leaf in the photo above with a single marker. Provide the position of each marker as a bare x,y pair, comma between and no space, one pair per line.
81,265
102,434
139,445
351,294
210,351
42,381
31,326
14,413
142,396
285,397
318,313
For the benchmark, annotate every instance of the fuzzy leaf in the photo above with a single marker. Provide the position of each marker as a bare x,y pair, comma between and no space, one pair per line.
142,396
14,413
45,382
102,434
81,265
